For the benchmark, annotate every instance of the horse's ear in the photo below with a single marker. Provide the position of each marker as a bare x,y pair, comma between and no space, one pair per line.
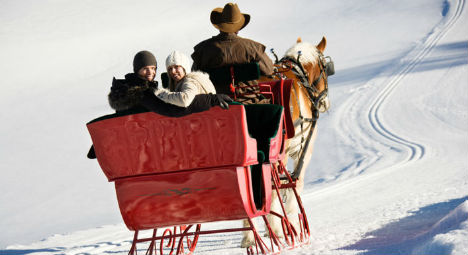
322,44
299,40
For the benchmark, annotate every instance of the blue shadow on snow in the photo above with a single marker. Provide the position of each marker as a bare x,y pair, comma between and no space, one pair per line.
29,251
403,236
446,55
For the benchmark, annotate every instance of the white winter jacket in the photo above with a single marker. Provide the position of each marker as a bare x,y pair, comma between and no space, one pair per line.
192,84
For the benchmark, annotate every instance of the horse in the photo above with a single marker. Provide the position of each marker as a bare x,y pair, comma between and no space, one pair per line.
309,69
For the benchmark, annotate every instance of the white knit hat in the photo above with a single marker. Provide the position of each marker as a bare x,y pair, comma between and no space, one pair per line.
178,58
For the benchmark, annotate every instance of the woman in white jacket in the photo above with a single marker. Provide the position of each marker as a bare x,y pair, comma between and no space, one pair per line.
183,84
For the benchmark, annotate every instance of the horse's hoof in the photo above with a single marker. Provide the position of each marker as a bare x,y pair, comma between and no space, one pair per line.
247,242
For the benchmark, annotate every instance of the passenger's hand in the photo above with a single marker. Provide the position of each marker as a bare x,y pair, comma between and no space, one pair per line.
224,100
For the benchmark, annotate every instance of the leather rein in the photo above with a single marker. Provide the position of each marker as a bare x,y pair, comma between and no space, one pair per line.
313,94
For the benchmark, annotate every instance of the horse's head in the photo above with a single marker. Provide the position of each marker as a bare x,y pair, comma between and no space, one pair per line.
315,68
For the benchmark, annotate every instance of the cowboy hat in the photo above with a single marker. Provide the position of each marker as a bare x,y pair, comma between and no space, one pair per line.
229,19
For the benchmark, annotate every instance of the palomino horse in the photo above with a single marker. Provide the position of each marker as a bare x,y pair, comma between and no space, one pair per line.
306,65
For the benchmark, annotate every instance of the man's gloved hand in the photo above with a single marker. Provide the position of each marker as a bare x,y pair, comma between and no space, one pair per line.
223,101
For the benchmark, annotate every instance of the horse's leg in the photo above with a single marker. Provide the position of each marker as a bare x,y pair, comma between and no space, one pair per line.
248,239
275,222
291,204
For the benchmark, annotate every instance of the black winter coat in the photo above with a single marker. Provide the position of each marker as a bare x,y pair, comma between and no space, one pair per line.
134,93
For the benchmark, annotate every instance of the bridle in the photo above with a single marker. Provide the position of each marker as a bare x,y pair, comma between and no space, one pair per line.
326,69
315,96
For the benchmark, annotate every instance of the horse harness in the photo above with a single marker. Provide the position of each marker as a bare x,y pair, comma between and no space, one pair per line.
326,67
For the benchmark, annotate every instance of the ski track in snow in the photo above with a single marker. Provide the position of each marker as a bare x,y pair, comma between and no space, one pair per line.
416,151
353,110
119,241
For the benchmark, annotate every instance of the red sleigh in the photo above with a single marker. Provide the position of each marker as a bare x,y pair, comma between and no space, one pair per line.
174,174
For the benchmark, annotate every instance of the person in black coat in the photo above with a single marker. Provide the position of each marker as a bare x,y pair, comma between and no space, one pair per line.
135,93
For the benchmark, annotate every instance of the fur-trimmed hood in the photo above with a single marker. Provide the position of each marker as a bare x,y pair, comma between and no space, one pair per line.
128,93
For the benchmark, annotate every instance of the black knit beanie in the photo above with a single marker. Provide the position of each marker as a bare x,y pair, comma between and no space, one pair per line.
142,59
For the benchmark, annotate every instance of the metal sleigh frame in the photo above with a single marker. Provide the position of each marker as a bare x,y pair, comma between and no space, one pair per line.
183,239
176,195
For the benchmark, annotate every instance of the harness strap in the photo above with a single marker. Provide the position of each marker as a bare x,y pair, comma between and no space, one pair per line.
299,71
300,164
232,88
301,123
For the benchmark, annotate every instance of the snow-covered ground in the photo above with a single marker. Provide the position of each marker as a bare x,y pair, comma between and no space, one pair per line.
389,174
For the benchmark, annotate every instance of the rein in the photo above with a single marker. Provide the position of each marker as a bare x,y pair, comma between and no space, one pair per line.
297,68
295,65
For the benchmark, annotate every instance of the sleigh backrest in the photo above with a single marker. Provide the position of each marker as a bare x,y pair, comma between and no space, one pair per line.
148,143
279,91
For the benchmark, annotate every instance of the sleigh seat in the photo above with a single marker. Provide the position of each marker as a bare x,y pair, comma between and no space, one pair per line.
199,168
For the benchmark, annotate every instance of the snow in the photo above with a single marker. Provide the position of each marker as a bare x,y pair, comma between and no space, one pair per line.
389,174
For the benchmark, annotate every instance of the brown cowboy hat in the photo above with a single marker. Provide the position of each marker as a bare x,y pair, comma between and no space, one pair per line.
229,19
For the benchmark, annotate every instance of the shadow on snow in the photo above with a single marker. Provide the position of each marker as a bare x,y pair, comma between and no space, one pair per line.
28,251
446,55
403,236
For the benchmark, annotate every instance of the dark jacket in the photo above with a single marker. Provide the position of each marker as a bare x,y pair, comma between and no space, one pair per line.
134,93
229,49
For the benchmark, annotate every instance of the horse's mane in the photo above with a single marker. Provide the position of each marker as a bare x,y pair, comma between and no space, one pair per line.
309,52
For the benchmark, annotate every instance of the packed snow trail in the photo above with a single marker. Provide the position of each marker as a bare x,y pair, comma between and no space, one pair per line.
404,190
415,150
383,178
355,108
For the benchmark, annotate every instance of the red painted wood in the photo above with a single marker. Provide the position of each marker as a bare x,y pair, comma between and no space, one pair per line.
149,143
189,197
